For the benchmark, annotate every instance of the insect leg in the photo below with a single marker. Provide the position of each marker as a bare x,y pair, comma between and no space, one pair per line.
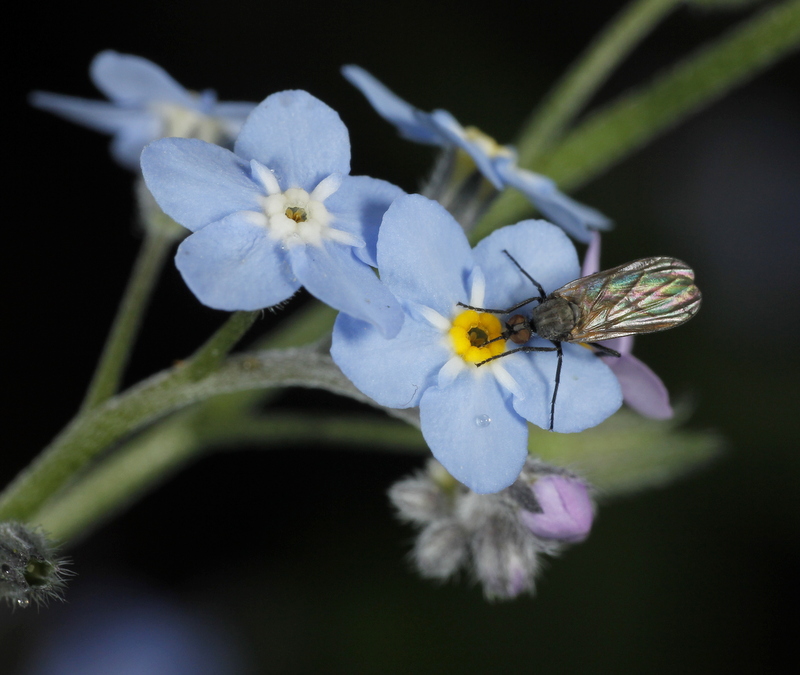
604,351
539,288
518,349
558,381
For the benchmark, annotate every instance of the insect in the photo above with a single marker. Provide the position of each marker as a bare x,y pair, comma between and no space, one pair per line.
643,296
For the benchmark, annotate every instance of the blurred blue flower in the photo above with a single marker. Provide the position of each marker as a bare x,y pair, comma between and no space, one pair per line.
278,213
145,103
497,163
473,418
642,389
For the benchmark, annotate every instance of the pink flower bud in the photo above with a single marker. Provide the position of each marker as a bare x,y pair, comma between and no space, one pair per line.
567,511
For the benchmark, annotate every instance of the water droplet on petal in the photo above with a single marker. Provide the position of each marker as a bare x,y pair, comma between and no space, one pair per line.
23,602
483,421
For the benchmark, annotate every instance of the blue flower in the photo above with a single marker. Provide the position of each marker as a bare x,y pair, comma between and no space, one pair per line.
278,213
642,389
145,103
497,163
473,418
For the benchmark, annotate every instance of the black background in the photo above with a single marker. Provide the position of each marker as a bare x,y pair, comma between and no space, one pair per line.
296,552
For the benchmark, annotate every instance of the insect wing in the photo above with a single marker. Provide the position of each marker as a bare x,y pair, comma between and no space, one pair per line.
642,296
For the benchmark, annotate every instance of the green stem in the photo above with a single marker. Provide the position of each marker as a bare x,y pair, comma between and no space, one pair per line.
96,430
149,459
116,352
209,357
587,75
625,125
617,130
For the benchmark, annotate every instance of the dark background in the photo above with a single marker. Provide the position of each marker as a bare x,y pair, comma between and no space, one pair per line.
295,553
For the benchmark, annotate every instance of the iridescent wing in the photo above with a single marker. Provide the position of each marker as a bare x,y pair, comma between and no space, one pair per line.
642,296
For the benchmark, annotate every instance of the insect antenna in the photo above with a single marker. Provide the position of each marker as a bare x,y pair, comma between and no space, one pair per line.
539,288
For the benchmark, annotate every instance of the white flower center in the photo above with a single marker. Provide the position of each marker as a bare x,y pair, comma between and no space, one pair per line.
181,122
295,216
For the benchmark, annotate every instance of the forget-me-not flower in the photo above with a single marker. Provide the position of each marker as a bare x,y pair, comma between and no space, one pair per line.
472,417
497,163
642,389
279,213
144,104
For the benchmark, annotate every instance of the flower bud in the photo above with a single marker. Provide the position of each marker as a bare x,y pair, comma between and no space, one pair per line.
30,570
566,509
441,549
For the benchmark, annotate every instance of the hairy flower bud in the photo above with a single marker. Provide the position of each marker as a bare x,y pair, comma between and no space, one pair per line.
497,538
30,570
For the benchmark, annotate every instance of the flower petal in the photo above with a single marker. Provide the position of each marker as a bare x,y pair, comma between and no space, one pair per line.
423,254
98,115
412,123
333,274
473,431
128,143
588,391
642,389
455,135
393,372
298,137
567,512
358,207
591,259
197,183
233,265
577,219
541,249
132,80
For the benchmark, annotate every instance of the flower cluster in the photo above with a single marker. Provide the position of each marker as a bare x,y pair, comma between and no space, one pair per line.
499,538
425,320
144,104
277,213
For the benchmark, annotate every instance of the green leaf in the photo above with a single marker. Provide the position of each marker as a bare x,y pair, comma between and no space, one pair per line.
627,452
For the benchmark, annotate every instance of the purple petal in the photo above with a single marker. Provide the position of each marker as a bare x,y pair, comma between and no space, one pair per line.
567,509
642,389
591,260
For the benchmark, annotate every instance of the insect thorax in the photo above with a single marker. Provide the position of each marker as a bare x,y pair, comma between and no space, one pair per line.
555,318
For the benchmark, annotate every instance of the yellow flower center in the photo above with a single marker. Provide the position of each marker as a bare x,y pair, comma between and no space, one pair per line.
472,334
486,143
